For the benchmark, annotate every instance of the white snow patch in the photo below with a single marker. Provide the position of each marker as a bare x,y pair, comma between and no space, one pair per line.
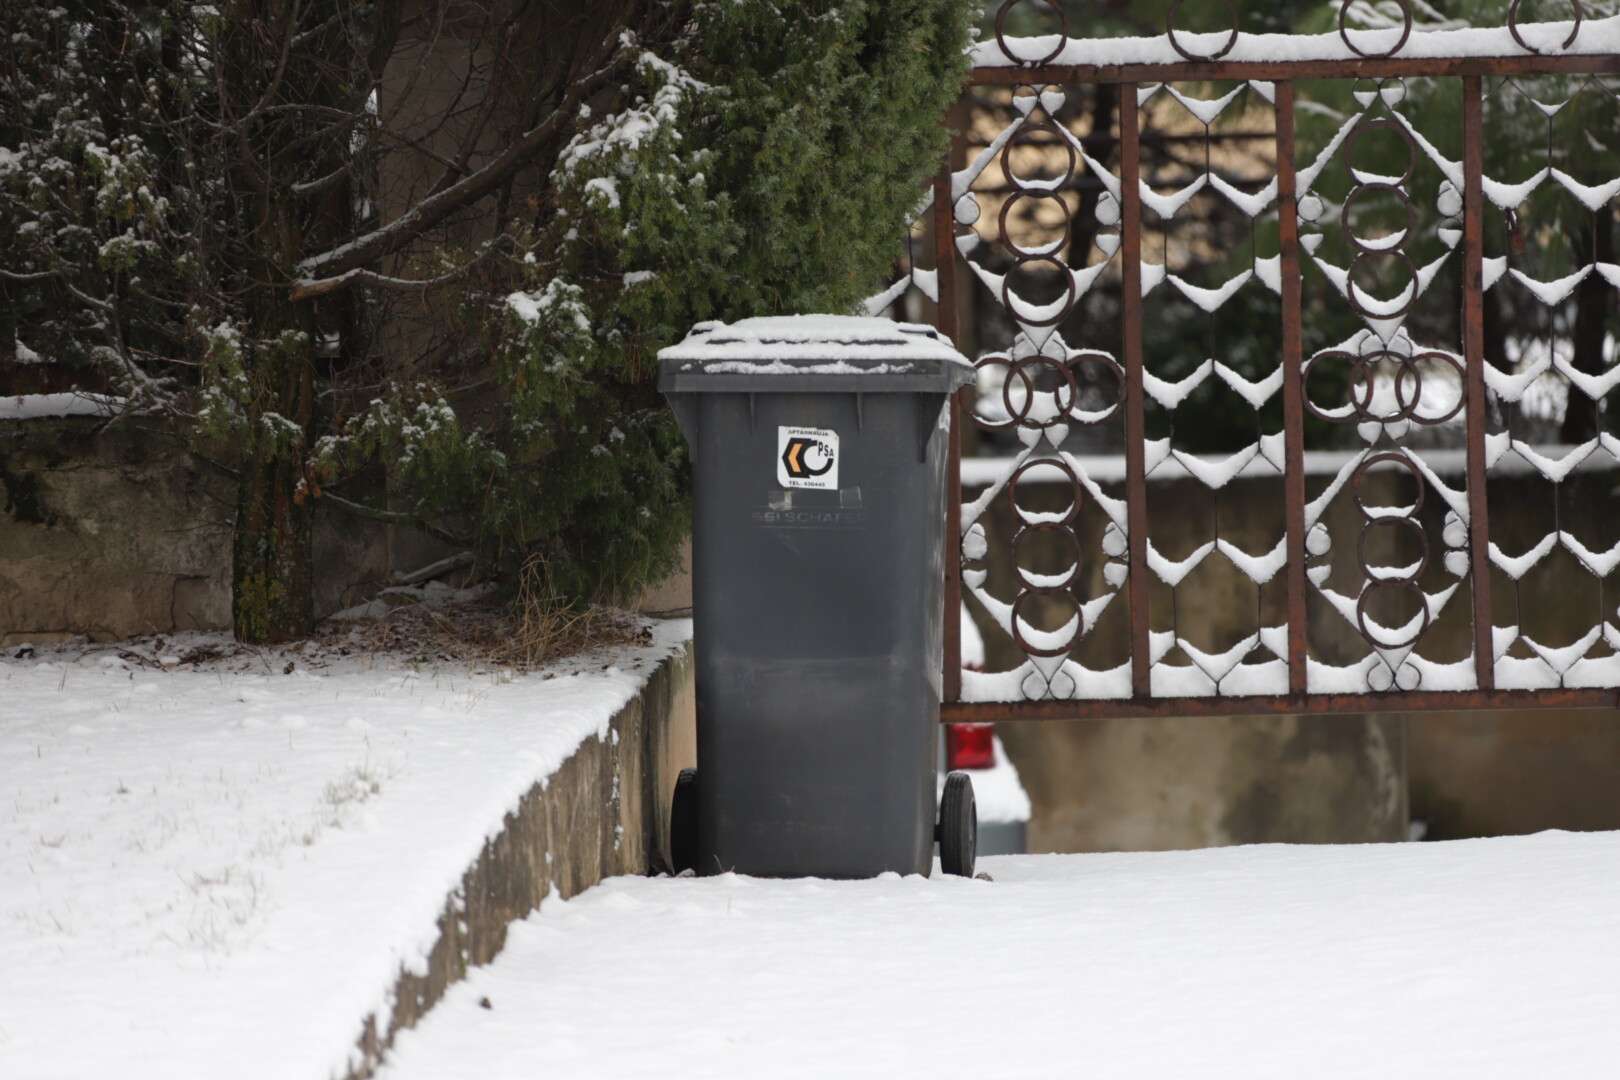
1597,37
800,338
37,406
1490,958
210,873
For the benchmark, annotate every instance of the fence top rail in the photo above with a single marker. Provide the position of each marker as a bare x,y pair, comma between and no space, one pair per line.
1576,46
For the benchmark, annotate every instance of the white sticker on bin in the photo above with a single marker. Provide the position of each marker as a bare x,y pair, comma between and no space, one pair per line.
807,457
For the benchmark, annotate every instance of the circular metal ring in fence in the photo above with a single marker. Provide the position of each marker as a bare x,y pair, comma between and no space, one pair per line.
1383,311
1020,413
1347,155
990,361
1052,517
1231,39
1022,137
1110,365
1513,26
1411,572
1383,243
1078,619
1361,614
1407,384
1406,31
1396,458
1047,249
1409,407
1029,313
1305,377
1001,35
1032,581
1364,385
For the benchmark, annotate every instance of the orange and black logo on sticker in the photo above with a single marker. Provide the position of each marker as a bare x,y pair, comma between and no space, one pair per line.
807,457
800,454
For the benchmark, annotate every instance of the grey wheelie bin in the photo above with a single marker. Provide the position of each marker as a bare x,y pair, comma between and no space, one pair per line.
819,450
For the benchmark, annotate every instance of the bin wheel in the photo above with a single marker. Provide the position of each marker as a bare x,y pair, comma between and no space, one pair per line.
958,825
683,822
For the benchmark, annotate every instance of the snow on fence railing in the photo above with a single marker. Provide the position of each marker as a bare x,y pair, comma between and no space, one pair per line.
1096,161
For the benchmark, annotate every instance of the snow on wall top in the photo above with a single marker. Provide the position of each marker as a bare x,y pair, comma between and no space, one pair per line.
1597,36
837,344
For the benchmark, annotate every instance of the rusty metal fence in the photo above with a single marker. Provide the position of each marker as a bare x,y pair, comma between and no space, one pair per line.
1351,169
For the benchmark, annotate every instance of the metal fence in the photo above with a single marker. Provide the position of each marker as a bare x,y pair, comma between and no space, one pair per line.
1367,204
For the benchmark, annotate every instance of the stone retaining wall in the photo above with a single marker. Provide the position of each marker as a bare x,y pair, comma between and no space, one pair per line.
118,532
604,812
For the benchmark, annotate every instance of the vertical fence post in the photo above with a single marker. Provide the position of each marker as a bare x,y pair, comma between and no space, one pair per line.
1293,385
1130,209
1479,532
945,281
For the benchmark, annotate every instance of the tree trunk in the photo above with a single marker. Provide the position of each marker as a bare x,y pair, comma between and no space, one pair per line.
279,98
272,579
272,573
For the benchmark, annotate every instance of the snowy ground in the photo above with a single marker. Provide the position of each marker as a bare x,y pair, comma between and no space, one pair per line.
1482,958
216,868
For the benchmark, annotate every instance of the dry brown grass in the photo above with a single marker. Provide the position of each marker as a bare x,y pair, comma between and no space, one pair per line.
532,629
544,627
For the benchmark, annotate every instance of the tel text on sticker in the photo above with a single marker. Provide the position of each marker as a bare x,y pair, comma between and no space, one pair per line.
807,457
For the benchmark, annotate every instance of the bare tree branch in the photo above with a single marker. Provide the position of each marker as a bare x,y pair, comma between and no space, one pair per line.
427,213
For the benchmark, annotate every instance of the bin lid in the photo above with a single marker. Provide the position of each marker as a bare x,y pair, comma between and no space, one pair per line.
814,353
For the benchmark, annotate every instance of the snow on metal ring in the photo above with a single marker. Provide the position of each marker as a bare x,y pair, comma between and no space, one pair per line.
1347,154
1574,32
1386,643
1029,313
1170,30
1110,365
1030,580
1381,577
1006,50
1392,457
1408,387
1344,31
1040,517
1409,408
1039,251
1059,410
1061,649
1022,137
1382,574
1382,243
1370,307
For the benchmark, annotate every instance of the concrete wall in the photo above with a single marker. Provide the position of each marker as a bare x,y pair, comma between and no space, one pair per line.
1490,774
1157,785
120,532
605,812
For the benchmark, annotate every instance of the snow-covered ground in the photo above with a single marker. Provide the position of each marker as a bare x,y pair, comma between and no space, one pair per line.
1481,958
216,868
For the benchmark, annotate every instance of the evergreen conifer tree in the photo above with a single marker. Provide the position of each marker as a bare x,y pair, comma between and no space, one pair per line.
443,243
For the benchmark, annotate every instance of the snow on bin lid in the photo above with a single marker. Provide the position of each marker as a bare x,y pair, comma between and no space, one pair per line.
812,344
